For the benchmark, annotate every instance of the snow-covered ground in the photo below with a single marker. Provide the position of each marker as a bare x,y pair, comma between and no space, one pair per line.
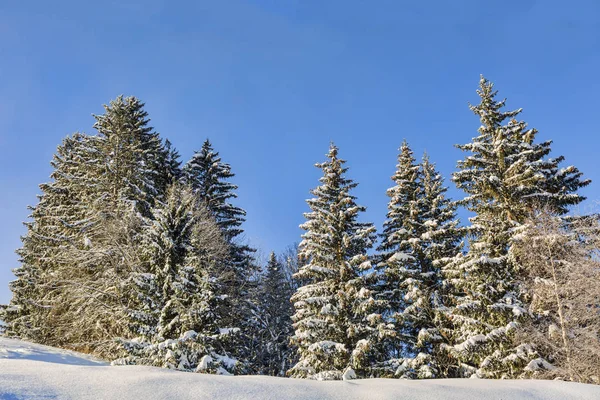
30,371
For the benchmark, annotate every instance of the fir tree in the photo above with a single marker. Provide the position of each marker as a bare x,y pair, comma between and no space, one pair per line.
441,240
506,177
78,253
171,166
399,253
333,323
209,177
275,311
133,157
60,220
419,235
176,314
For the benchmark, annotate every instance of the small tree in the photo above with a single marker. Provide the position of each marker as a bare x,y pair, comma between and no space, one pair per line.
274,317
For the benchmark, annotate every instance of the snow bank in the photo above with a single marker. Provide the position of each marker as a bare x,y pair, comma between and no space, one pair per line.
30,371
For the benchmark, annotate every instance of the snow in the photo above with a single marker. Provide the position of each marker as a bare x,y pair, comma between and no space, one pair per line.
348,374
31,371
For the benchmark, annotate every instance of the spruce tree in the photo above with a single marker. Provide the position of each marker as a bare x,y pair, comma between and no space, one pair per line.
275,311
78,253
176,314
210,178
133,157
399,254
441,241
334,323
505,178
419,235
171,165
60,220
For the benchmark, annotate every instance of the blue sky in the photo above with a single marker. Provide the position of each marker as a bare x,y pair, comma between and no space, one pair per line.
272,82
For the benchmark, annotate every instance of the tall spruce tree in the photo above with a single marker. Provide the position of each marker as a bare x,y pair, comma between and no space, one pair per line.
419,235
210,178
334,323
75,256
441,240
60,220
133,157
399,253
505,178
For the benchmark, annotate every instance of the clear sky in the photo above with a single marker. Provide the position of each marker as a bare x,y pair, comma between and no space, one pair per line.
272,82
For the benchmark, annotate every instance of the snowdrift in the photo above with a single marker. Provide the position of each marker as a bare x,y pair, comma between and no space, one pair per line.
31,371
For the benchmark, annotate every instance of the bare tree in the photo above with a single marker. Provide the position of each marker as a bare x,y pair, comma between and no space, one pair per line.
561,275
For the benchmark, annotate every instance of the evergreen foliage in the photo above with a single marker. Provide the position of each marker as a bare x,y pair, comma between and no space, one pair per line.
210,178
419,235
505,177
58,221
135,258
176,310
333,323
275,323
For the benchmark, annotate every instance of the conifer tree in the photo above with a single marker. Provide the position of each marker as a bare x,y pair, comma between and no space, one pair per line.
505,177
60,220
275,311
176,316
76,254
419,235
171,171
399,252
441,240
334,323
133,157
209,177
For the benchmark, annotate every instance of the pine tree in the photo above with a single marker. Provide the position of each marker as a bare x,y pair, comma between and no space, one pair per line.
333,320
419,235
275,311
505,178
176,314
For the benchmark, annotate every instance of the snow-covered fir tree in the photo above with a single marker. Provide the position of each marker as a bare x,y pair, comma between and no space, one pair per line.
419,235
398,256
275,323
58,221
210,178
505,177
334,324
171,165
441,240
176,313
133,157
78,253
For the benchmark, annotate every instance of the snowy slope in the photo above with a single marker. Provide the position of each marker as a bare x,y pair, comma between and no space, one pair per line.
30,371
